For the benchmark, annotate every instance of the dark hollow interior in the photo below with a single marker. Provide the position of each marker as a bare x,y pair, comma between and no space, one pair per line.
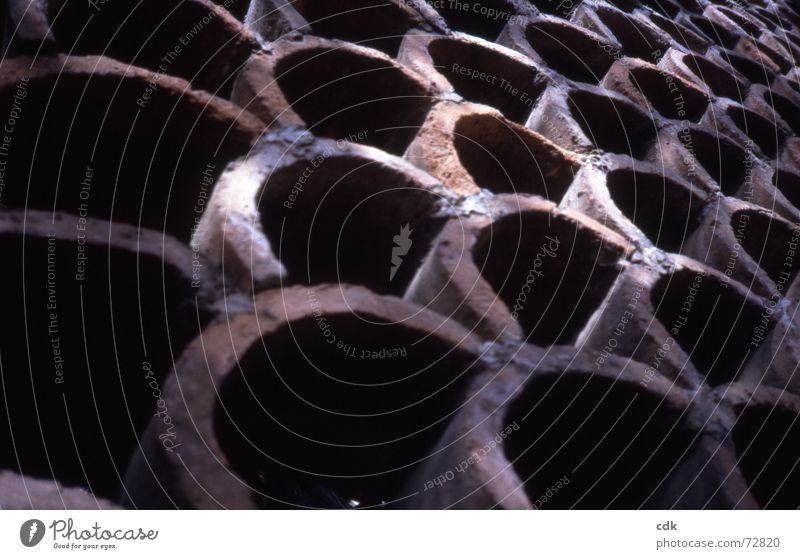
515,87
718,326
767,442
764,133
794,84
744,22
678,32
754,71
722,159
767,18
789,185
312,424
673,101
714,31
570,50
568,287
502,158
637,39
790,15
370,23
784,65
83,431
788,111
143,33
717,78
342,226
461,16
615,443
666,211
767,240
612,124
340,94
147,167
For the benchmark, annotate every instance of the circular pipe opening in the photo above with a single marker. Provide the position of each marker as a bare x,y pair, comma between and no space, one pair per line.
764,133
552,274
754,71
722,159
570,50
638,40
511,86
153,34
678,32
768,241
371,23
719,80
713,31
329,416
786,110
505,159
789,185
318,230
142,167
711,322
81,381
612,124
341,94
666,212
477,18
614,443
670,98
